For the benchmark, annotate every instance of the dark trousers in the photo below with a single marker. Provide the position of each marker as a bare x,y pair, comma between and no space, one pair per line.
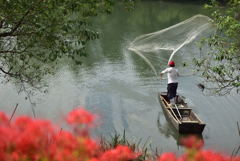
172,90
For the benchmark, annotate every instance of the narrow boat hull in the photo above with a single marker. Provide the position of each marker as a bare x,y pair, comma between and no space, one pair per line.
190,124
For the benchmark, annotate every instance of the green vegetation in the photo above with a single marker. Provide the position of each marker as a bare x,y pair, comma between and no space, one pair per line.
221,66
117,139
35,34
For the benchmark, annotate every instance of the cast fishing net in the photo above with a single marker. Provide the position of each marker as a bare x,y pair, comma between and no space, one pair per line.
177,42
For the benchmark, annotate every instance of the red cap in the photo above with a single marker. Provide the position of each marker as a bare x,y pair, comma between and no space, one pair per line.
171,64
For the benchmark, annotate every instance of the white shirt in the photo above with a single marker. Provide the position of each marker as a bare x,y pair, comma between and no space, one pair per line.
172,74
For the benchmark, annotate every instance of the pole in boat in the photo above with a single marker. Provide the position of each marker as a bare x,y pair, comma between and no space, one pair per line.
178,112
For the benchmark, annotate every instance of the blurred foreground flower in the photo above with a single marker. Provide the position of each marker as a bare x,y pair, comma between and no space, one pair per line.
119,153
3,118
80,116
167,157
192,142
27,139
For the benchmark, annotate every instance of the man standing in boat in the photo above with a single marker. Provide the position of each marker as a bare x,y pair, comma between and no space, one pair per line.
172,74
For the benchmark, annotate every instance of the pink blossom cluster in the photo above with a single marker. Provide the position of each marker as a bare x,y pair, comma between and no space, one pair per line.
194,152
27,139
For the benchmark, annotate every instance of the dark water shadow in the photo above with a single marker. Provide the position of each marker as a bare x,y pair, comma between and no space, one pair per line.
168,130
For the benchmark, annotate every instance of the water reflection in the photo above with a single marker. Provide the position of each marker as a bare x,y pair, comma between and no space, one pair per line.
169,131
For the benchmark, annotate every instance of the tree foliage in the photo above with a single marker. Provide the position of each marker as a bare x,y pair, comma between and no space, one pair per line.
221,66
34,34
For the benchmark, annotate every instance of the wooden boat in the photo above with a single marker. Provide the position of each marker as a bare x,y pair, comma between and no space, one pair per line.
181,115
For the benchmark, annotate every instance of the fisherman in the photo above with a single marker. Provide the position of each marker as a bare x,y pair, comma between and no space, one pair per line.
172,74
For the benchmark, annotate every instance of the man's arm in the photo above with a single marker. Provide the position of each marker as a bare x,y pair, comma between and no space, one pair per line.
161,75
164,71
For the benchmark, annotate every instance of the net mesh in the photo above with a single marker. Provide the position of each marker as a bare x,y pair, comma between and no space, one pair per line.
174,42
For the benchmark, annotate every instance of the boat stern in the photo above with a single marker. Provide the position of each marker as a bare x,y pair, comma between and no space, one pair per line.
191,128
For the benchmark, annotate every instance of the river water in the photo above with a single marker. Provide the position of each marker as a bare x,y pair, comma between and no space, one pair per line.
122,89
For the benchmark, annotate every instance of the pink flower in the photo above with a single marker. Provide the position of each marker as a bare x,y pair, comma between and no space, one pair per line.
35,140
22,122
3,118
210,156
80,116
120,153
235,159
94,159
192,142
90,146
167,157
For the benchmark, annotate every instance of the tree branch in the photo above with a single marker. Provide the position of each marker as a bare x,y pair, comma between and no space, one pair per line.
4,34
8,72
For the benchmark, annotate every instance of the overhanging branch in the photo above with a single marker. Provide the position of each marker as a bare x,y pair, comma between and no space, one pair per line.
8,72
